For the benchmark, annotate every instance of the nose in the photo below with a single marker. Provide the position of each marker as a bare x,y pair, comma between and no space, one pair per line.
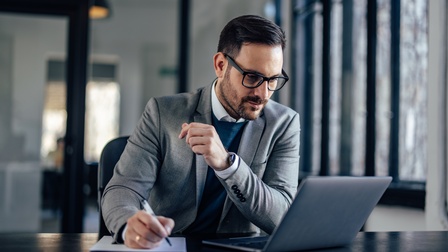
262,91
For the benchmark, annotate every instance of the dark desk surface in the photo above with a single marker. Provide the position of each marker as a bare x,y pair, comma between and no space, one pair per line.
368,241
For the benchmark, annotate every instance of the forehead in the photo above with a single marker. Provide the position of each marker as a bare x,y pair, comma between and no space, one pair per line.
264,59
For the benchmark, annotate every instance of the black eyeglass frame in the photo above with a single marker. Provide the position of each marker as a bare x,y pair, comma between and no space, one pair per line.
264,78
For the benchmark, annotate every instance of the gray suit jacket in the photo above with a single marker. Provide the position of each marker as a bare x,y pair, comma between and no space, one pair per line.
160,167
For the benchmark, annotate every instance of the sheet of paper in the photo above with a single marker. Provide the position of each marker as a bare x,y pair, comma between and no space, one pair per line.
106,244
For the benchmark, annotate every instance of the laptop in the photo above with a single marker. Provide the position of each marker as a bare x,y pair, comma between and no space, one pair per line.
326,212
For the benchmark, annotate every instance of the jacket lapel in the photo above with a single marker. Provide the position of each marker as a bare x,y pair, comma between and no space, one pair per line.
250,140
202,115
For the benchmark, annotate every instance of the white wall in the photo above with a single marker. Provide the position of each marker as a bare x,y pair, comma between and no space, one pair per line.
436,186
396,218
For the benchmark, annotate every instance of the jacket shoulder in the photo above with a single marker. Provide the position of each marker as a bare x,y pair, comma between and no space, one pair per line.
178,102
274,109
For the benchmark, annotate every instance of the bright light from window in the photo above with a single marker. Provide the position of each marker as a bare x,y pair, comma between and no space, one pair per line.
102,117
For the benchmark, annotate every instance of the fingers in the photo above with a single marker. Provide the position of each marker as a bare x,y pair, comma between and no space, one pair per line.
197,131
197,136
187,129
204,140
147,231
139,242
184,130
167,223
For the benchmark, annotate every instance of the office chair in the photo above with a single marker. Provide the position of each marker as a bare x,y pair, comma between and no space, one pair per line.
109,157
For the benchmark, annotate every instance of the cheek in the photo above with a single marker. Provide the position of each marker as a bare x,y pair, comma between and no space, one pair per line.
236,88
240,93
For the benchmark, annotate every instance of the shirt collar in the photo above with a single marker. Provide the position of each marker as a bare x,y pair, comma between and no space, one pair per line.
219,111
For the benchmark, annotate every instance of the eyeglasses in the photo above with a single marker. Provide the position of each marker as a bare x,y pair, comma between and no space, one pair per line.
254,80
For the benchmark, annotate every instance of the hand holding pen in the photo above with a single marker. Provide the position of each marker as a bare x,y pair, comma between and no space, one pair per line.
148,209
143,230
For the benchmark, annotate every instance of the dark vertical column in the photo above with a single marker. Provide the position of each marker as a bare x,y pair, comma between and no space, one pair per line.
74,166
278,20
302,78
184,25
278,12
371,89
347,88
395,88
325,129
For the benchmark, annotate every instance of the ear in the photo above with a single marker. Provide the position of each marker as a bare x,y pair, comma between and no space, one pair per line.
220,64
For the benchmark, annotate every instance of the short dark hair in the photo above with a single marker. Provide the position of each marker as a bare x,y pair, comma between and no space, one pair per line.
249,29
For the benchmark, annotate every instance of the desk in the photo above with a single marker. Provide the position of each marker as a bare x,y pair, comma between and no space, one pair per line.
368,241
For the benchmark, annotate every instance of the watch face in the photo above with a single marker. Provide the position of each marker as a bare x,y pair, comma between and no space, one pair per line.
231,159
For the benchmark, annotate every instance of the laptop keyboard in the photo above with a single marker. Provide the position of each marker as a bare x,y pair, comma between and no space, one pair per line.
252,244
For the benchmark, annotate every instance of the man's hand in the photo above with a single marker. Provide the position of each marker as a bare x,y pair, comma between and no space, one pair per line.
204,140
147,231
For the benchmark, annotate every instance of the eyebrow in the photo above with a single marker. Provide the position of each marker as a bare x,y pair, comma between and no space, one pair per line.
254,71
258,73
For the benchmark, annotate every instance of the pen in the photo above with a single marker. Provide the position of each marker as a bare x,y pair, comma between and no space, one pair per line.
149,210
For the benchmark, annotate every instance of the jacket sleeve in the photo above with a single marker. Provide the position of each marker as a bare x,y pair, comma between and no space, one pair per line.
134,174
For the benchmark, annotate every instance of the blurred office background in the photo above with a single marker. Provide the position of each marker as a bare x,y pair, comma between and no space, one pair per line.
368,78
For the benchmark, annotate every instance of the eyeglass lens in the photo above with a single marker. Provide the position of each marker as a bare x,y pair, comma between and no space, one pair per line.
254,80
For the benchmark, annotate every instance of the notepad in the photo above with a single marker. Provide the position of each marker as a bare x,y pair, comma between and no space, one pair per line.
107,244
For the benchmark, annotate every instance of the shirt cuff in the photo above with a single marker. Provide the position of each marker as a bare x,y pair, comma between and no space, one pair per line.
123,234
224,174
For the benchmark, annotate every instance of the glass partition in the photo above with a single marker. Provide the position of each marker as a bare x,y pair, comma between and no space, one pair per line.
29,180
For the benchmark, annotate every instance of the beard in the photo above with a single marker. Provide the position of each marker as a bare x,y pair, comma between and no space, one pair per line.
239,107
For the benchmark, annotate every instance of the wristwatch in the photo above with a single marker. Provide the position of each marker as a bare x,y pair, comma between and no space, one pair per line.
231,158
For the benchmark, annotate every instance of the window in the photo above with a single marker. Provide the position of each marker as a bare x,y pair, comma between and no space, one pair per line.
413,86
360,71
102,110
102,117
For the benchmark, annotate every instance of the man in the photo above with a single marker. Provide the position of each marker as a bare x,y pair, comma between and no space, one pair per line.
223,159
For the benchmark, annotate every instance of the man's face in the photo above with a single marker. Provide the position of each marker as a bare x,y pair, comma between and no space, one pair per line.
243,102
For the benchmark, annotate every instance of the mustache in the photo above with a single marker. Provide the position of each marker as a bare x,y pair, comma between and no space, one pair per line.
254,99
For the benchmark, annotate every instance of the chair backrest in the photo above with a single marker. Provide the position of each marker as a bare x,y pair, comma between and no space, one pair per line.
109,157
